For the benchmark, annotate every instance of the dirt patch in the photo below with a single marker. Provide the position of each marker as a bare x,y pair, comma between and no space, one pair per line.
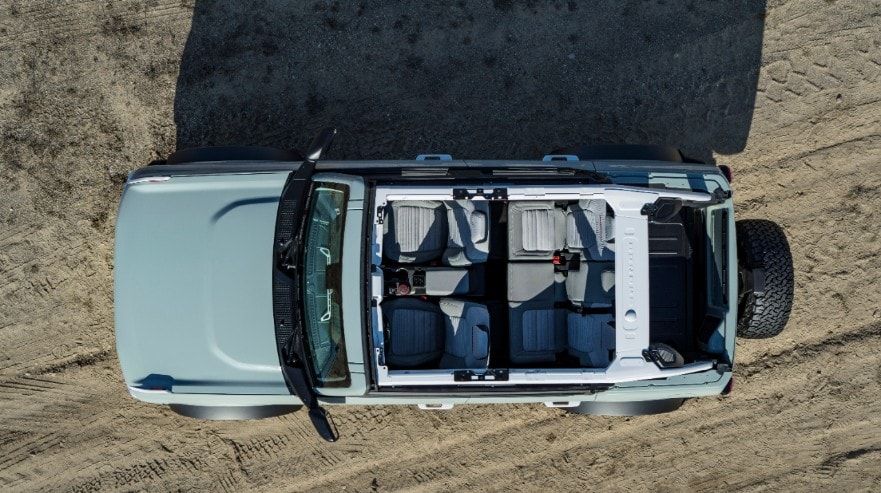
787,94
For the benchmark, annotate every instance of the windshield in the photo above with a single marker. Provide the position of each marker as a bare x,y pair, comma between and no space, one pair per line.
322,280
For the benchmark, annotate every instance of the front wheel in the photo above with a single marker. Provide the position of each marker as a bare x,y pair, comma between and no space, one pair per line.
766,279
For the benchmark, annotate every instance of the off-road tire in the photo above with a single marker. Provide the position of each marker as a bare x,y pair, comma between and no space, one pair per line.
762,244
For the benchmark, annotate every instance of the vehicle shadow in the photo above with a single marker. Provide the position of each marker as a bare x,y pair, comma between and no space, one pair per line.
473,79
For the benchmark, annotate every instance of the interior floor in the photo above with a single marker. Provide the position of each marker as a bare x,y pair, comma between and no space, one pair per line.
521,284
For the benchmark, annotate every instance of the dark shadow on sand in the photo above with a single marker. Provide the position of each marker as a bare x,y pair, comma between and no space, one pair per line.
473,79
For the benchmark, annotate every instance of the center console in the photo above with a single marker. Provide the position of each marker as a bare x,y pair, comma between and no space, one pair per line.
430,281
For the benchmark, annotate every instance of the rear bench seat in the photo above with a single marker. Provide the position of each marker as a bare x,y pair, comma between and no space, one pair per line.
536,229
590,230
537,321
590,338
593,285
541,325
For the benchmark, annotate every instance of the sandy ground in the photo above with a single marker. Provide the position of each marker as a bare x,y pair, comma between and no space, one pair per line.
787,93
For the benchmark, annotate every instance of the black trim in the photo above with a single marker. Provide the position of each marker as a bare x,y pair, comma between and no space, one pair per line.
387,171
502,390
662,210
367,267
157,168
498,375
233,153
292,208
366,272
460,193
629,152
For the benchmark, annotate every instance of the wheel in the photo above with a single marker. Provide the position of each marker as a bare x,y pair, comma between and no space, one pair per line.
766,279
629,152
227,413
201,154
638,408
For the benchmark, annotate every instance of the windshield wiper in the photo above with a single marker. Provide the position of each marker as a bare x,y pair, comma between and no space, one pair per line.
296,194
295,197
287,254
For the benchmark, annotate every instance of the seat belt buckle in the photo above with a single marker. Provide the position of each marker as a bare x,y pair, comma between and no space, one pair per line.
565,261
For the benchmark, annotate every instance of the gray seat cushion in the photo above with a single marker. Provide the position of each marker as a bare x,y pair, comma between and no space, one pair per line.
591,338
466,334
536,229
468,223
455,333
590,230
414,332
534,281
592,285
538,332
414,231
445,281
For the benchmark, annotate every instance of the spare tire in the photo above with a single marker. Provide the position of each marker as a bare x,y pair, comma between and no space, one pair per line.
763,253
630,152
202,154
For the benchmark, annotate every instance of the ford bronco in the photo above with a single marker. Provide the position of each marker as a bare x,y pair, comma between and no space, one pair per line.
251,282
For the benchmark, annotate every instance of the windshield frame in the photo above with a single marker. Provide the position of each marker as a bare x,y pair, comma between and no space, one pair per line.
334,370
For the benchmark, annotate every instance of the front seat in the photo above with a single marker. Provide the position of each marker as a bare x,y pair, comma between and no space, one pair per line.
419,231
468,222
414,332
454,333
466,335
415,231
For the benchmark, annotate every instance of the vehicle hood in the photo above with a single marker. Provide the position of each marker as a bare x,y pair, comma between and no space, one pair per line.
193,284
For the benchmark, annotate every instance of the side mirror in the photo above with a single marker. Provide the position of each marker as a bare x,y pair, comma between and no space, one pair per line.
323,424
320,144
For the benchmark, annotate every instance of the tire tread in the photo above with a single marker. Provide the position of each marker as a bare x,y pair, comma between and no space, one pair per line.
762,244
